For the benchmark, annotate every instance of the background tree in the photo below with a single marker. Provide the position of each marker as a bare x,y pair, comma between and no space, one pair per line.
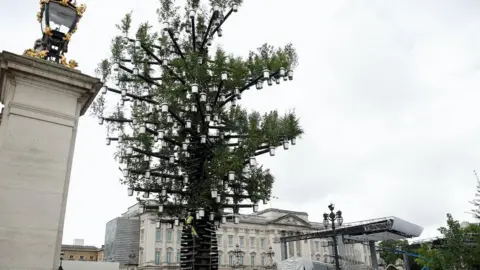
388,256
453,247
459,248
432,257
183,141
476,200
471,258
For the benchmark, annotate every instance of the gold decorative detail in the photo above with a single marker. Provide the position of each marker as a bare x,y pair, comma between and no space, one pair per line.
35,54
63,60
67,37
64,2
70,64
81,9
39,17
48,31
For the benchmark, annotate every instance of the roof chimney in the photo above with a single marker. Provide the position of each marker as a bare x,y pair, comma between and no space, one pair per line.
78,242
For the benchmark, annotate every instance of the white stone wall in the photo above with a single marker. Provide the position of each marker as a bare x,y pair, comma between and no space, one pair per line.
83,265
43,102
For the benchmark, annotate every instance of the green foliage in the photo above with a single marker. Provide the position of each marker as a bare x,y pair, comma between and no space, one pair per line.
453,244
388,256
432,258
102,71
459,248
234,137
125,24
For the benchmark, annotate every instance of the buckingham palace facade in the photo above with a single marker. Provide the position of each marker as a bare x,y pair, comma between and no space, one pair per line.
159,248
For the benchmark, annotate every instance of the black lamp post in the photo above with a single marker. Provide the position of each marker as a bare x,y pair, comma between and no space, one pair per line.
61,260
330,219
131,261
238,253
270,253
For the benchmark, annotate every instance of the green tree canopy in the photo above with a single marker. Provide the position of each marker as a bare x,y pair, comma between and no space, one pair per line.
459,248
388,256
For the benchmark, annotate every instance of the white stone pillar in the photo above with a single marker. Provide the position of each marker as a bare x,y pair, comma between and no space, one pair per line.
43,102
150,239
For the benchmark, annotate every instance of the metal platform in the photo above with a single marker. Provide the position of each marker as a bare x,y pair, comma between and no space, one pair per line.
388,228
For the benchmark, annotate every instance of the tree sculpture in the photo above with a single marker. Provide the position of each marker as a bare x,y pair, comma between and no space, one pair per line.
182,139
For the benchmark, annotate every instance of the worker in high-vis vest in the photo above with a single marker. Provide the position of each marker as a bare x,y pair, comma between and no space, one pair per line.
189,224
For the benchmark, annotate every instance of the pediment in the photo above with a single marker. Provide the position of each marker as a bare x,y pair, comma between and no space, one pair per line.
290,219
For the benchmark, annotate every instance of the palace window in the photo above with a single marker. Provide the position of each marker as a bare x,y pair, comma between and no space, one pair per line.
169,235
179,236
158,255
230,240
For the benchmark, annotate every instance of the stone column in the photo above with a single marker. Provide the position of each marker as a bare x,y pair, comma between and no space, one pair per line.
291,246
43,102
284,247
150,231
298,247
406,265
373,254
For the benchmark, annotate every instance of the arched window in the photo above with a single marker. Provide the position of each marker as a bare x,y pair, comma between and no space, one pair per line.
252,259
230,259
169,255
220,257
158,256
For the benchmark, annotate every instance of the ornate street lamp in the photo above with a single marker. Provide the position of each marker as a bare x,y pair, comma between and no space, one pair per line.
58,19
238,254
331,219
270,253
61,260
131,261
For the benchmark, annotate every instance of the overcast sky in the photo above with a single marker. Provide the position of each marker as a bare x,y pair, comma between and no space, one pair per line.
387,92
